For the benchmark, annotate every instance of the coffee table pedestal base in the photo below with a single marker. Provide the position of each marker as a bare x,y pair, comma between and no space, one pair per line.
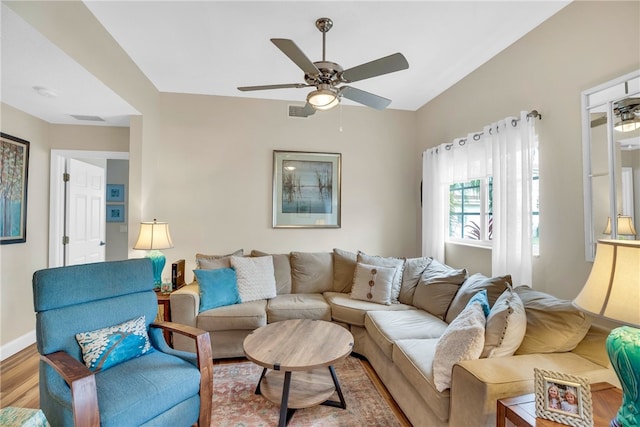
300,389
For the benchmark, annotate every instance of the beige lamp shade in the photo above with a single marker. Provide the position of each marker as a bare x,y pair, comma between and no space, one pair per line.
612,290
154,235
625,226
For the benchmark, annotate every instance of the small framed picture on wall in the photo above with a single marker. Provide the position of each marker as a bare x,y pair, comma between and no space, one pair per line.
115,193
115,213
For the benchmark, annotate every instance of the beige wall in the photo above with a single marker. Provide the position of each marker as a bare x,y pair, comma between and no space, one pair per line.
212,176
585,44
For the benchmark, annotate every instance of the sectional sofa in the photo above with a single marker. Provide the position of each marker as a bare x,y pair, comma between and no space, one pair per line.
416,320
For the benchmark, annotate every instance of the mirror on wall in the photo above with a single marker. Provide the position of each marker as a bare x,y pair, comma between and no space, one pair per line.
611,160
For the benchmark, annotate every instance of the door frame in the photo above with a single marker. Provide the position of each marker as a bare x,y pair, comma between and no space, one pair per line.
57,195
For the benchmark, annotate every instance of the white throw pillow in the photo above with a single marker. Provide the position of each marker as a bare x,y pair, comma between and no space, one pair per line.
397,263
462,340
506,326
256,277
372,283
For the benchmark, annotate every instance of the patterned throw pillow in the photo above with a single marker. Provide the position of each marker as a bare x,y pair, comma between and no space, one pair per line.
256,277
107,347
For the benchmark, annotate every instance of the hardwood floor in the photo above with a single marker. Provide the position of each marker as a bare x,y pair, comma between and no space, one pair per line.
19,382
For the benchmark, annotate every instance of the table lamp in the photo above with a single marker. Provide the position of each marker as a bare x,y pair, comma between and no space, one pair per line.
612,292
625,226
152,237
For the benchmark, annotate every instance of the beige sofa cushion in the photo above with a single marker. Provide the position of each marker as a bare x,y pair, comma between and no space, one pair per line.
350,311
344,265
298,306
281,269
247,315
212,262
413,269
506,326
553,325
495,286
437,287
414,358
311,272
396,263
385,327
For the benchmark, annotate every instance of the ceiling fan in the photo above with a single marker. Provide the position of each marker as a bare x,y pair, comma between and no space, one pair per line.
329,77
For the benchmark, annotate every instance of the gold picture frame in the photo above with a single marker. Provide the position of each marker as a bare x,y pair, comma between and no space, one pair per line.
563,398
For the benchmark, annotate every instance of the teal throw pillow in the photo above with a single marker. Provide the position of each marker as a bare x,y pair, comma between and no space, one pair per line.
217,288
482,298
110,346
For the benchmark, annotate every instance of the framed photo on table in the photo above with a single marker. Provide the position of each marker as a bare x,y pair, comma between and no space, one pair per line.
306,189
563,398
14,171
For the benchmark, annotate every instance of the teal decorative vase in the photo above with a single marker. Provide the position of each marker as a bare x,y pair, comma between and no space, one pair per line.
157,261
623,346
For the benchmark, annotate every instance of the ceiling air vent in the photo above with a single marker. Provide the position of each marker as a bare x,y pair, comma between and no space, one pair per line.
87,118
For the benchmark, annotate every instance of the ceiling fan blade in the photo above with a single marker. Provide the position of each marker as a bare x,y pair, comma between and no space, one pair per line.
264,87
388,64
289,48
364,98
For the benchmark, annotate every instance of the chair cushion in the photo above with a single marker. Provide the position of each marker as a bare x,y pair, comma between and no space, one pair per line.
386,327
351,311
247,315
298,306
110,346
373,283
218,288
134,392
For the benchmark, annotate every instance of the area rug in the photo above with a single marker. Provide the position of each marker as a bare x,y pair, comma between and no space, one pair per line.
235,403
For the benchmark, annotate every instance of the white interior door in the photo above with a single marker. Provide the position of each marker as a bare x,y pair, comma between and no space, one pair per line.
85,219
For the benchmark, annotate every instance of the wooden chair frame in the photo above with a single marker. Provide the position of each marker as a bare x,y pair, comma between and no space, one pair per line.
82,382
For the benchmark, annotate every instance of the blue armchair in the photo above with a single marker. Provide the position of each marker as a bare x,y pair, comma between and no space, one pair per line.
162,387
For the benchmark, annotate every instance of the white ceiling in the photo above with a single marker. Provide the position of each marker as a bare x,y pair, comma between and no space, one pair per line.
211,47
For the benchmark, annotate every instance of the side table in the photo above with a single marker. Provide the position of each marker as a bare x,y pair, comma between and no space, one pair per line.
164,312
520,411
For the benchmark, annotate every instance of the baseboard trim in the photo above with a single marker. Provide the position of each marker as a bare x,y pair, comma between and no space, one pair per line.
20,343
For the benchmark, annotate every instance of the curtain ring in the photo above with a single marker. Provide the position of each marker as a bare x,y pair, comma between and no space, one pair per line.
514,122
476,137
448,147
462,141
490,131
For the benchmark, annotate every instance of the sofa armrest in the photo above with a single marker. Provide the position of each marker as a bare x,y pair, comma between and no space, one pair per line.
185,306
84,396
476,385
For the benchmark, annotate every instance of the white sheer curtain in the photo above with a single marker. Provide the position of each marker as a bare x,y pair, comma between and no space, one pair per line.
503,150
513,146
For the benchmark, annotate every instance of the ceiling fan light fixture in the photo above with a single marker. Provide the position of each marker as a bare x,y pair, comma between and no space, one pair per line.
323,99
628,122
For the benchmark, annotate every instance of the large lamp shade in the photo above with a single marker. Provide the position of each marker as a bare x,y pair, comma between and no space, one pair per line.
154,236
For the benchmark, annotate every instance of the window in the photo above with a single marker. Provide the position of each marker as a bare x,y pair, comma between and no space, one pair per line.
470,210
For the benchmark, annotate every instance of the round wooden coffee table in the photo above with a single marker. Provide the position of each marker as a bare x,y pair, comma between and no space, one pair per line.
305,348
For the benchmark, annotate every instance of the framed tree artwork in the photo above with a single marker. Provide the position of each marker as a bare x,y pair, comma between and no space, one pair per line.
306,189
14,170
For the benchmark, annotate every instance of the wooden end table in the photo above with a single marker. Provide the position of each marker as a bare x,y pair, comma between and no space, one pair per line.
295,355
520,411
164,313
